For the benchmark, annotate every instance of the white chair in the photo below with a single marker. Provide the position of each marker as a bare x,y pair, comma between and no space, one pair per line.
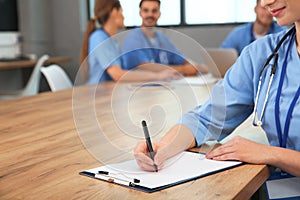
33,84
56,78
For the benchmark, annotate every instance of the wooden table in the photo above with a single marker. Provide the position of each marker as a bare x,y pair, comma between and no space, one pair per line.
41,152
31,63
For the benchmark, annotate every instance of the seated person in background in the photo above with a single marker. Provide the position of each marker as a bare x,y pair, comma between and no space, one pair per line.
102,52
243,35
143,46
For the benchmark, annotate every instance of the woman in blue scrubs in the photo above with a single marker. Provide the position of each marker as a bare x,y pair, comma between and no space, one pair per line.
279,117
104,61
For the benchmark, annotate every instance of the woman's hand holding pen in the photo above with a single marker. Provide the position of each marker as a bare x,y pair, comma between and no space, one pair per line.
143,159
178,139
140,153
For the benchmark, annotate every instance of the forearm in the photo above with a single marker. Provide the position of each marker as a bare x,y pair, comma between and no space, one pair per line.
182,70
285,159
186,68
118,74
178,139
190,68
249,151
138,75
153,67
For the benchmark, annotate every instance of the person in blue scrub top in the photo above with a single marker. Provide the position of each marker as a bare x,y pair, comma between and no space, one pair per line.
102,52
146,45
243,35
238,95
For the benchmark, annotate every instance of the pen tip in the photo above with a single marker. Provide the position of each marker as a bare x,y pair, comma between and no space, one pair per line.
144,123
155,168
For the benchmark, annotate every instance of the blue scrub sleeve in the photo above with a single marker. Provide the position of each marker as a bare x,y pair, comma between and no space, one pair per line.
231,102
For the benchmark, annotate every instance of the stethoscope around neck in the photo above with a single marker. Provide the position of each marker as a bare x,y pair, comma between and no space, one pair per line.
282,134
257,120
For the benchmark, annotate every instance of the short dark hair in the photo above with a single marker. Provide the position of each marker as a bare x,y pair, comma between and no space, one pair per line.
158,1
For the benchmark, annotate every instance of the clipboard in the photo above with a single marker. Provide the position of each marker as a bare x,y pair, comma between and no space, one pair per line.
181,168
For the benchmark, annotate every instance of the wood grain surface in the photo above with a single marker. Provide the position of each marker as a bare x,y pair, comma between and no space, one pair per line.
41,154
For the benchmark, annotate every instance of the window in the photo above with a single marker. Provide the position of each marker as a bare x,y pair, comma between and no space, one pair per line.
168,8
131,12
219,11
194,12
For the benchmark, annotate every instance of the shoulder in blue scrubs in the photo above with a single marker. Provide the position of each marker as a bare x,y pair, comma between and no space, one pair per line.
103,53
242,36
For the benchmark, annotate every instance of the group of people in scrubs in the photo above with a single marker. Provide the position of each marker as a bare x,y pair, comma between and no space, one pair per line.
144,51
101,56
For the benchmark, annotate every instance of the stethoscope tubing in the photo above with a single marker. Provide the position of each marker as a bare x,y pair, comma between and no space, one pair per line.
282,137
257,121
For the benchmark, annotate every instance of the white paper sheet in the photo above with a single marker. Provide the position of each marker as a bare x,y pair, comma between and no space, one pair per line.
196,80
184,166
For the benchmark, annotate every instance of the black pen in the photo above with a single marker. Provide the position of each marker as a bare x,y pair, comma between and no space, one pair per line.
148,141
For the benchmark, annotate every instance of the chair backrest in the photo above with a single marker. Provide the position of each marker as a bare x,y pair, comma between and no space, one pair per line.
33,84
223,59
56,78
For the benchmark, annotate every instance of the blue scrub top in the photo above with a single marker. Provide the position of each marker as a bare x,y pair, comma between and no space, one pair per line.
242,36
103,53
138,48
232,99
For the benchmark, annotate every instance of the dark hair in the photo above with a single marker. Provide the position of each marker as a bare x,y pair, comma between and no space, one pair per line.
103,8
158,1
102,11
